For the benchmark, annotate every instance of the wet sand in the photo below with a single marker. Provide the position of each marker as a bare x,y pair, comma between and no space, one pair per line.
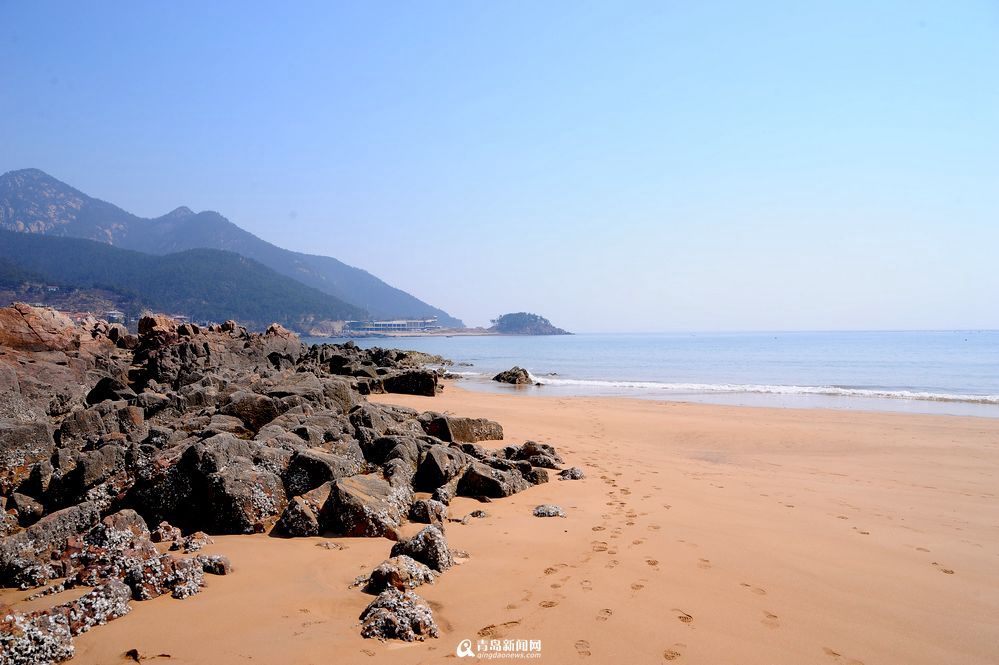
702,534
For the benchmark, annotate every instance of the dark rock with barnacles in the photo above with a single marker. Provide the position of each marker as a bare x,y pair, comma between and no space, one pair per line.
399,615
211,429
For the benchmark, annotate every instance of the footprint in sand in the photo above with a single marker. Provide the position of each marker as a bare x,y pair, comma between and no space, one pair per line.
637,586
598,528
652,562
683,617
770,620
613,563
587,585
599,546
755,589
550,570
604,614
835,654
671,654
945,571
555,586
494,630
922,549
583,648
654,527
704,563
548,603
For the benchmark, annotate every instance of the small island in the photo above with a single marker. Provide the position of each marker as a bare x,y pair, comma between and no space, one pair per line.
524,323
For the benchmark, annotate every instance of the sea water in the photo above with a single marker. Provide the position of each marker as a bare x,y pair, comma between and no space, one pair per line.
955,372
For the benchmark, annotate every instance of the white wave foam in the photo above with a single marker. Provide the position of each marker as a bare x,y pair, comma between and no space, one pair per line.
836,391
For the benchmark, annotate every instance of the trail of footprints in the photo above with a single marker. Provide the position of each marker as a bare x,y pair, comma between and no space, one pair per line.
618,509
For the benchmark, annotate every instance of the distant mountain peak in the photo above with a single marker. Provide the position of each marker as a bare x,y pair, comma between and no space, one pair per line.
32,201
182,211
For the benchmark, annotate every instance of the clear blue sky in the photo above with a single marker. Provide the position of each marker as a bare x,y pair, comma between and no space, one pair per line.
614,165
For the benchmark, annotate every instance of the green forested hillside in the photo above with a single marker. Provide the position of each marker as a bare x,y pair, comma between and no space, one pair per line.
201,283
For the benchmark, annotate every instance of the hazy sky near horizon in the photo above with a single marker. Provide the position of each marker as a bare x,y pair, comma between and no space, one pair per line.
615,166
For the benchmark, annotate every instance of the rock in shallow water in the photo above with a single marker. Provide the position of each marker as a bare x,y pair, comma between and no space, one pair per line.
515,375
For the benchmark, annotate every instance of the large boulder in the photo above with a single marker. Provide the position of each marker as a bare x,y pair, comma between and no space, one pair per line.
366,505
309,469
109,388
429,546
244,498
464,430
27,328
400,615
22,444
440,466
400,572
415,382
253,409
483,480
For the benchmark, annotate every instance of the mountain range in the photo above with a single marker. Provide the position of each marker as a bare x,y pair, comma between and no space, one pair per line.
205,284
31,201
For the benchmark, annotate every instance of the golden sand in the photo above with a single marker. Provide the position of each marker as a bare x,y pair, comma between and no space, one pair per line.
701,534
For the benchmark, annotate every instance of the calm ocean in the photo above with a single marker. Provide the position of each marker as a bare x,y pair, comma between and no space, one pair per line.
955,372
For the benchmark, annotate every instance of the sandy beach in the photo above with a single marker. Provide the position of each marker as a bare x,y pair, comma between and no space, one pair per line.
701,534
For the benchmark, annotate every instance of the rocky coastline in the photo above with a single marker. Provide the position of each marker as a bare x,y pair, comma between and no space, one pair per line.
122,454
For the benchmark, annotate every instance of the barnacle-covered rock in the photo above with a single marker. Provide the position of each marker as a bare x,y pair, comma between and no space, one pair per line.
400,572
548,510
429,546
399,615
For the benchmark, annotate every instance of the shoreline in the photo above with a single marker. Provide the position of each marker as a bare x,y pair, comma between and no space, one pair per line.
824,402
701,534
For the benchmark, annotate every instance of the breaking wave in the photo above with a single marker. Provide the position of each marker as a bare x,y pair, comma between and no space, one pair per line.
733,388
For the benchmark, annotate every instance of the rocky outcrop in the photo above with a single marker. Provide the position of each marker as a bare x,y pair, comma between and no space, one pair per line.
207,430
518,376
